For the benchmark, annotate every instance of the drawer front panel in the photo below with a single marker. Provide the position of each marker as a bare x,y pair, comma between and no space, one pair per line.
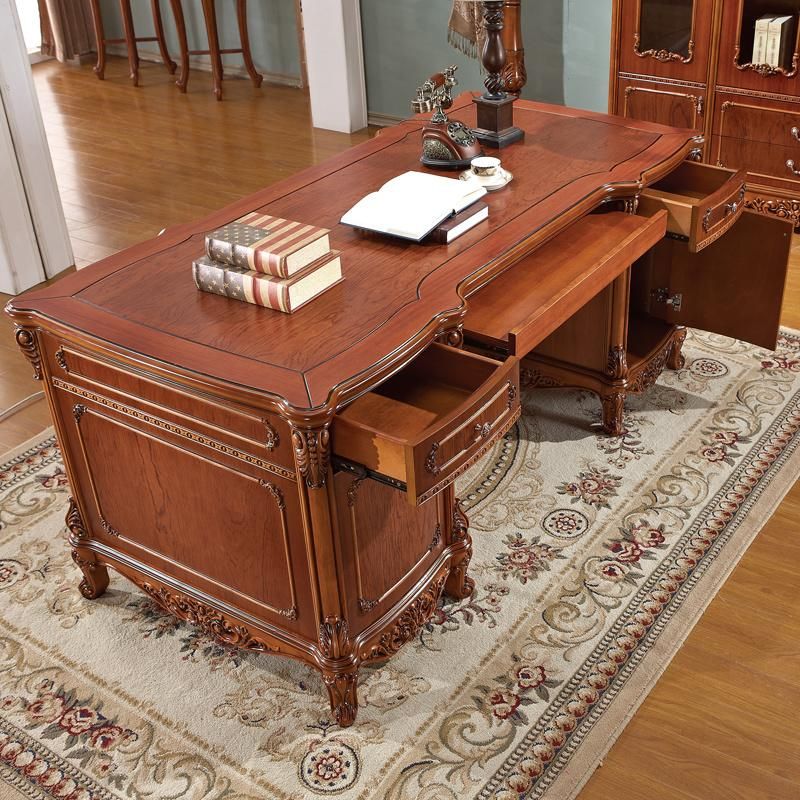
758,120
702,202
442,457
780,164
677,106
195,514
263,434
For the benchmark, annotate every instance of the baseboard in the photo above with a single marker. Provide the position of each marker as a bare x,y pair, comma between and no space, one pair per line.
383,120
203,63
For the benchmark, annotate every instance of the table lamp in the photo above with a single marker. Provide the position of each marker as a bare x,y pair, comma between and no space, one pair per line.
495,107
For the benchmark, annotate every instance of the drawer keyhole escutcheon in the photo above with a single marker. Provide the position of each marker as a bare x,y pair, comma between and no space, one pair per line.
483,430
663,296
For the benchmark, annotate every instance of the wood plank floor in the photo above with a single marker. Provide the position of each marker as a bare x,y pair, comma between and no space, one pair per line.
724,720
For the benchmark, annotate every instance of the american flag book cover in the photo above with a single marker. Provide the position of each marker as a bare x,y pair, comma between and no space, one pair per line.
280,294
262,243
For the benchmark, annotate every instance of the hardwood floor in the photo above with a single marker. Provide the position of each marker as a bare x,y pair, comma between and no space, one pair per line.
723,720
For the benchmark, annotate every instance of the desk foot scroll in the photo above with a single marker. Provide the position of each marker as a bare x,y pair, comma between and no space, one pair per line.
676,359
459,585
613,411
95,575
341,685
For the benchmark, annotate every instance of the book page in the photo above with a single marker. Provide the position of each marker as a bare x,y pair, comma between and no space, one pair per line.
412,205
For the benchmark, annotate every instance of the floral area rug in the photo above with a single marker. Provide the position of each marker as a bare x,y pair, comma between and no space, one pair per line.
593,558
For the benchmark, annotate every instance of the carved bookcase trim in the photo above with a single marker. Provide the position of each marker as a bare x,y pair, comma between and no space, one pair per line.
784,208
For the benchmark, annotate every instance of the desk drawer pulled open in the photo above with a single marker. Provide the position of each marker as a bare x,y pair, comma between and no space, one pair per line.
431,420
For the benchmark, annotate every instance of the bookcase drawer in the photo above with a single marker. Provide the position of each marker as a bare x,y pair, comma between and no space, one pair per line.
430,421
701,201
757,119
763,160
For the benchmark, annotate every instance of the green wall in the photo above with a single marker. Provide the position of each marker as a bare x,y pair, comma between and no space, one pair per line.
271,25
566,47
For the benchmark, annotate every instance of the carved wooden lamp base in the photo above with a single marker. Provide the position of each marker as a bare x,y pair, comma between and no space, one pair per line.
495,122
495,108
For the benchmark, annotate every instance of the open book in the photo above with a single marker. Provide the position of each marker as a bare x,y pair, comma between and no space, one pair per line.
412,204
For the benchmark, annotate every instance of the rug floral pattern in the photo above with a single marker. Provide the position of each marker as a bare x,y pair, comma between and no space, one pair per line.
586,548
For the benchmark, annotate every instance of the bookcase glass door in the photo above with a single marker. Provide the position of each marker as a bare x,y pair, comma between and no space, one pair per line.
749,12
666,30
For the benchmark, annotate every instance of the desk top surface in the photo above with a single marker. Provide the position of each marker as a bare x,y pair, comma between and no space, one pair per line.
396,295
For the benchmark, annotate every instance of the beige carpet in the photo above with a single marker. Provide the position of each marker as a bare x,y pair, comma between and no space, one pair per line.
594,558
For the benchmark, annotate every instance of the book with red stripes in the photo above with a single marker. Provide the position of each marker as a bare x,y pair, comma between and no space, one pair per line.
273,246
280,294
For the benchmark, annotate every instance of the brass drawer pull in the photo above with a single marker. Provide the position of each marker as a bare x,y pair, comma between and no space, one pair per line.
790,166
483,431
795,131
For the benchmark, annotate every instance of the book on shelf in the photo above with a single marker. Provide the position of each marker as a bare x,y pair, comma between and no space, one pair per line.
760,39
411,205
267,244
280,294
779,40
458,225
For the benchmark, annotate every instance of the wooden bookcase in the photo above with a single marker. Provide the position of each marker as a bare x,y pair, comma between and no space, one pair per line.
689,63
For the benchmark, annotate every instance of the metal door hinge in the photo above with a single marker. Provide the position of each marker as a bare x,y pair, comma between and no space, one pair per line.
663,296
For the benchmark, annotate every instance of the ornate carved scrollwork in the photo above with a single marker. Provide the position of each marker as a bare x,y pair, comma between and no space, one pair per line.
61,359
109,528
75,522
782,208
272,439
460,522
334,638
534,379
78,410
208,619
408,623
647,377
617,366
312,454
663,55
26,341
275,492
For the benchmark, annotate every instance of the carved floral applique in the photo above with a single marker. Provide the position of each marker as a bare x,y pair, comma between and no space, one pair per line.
595,486
524,559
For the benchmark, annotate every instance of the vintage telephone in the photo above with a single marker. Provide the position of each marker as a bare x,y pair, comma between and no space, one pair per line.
446,144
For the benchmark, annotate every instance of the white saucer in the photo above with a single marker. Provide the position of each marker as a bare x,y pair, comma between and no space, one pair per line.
491,183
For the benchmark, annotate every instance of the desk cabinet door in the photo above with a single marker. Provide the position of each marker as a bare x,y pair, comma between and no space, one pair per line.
733,287
677,106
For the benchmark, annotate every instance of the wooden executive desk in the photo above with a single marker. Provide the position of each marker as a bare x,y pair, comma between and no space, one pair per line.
286,482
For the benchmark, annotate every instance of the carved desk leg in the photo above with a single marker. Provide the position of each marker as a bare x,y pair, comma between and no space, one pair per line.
676,359
459,585
95,575
341,679
613,410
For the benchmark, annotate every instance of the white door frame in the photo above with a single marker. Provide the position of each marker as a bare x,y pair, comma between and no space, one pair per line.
335,63
33,194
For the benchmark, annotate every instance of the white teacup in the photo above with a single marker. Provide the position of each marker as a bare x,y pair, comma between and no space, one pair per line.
485,166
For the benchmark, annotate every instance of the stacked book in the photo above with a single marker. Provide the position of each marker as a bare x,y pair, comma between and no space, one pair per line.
774,40
267,261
